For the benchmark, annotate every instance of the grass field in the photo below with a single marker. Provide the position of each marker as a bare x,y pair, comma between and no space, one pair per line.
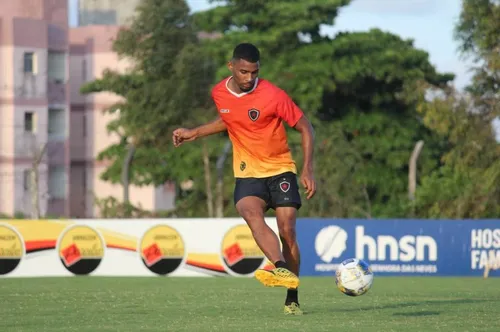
237,304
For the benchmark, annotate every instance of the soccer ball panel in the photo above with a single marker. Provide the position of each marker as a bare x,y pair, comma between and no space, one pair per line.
354,277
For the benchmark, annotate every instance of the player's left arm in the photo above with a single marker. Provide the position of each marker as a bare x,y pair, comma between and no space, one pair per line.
306,130
293,115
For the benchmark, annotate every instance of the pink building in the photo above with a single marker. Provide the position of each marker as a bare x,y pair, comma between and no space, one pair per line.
43,63
90,54
34,105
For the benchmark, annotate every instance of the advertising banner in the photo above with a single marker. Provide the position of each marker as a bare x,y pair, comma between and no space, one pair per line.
141,247
225,247
401,247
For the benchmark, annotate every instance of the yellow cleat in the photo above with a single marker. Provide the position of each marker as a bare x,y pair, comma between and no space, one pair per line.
278,277
293,309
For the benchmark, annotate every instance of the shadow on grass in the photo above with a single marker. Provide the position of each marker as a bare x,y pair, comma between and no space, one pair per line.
417,314
412,304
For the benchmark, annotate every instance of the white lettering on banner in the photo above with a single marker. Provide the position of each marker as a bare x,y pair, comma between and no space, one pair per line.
331,242
483,245
326,267
387,268
485,238
404,268
408,248
481,258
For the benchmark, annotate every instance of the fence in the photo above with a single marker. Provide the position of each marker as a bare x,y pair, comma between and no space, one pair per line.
225,247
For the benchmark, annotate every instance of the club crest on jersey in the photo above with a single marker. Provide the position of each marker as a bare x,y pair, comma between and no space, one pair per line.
285,186
253,114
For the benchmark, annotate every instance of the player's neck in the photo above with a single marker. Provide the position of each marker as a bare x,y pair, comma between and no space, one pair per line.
235,89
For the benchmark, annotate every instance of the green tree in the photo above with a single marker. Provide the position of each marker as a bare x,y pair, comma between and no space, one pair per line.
357,88
468,183
478,31
168,85
374,75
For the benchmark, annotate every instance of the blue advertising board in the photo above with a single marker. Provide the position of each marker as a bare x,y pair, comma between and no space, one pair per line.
400,247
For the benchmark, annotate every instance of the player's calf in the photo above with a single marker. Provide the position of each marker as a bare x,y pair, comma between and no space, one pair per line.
251,209
286,217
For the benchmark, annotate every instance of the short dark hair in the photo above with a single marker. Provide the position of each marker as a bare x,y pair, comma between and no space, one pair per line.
247,52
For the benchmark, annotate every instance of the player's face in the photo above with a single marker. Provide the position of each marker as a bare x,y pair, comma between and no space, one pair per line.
244,73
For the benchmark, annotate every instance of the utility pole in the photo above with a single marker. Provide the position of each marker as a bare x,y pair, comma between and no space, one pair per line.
412,172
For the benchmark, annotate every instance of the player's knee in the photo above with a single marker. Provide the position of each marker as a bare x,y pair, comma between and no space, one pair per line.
253,217
287,232
250,213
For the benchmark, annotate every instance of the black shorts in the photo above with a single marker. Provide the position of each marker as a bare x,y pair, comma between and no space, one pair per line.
281,190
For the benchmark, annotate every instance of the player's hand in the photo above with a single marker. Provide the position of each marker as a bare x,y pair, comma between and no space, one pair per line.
307,180
182,135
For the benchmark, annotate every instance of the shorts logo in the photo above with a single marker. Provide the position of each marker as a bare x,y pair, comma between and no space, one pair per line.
253,114
285,186
243,165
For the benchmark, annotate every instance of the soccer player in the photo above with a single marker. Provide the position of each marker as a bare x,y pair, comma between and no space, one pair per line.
253,110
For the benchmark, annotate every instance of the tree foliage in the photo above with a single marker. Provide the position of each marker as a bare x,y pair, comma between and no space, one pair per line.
356,88
468,183
167,86
365,92
478,31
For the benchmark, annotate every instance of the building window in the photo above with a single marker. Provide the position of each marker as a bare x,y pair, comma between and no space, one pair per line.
29,62
57,182
57,123
29,122
56,67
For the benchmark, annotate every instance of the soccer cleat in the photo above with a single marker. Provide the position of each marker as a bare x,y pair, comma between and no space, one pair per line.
293,309
278,277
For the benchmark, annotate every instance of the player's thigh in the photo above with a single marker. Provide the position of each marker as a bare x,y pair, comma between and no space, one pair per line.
251,198
284,189
251,187
251,207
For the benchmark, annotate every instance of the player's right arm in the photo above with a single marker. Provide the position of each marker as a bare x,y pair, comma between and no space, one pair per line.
182,135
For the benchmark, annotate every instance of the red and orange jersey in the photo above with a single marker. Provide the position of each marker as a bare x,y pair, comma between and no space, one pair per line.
254,121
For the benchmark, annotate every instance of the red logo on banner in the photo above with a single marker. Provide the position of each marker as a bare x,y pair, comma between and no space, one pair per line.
71,255
152,254
233,254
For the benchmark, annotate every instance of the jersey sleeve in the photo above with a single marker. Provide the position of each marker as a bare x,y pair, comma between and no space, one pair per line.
287,110
212,93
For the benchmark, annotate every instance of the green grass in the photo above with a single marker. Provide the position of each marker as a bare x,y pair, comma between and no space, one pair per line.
240,304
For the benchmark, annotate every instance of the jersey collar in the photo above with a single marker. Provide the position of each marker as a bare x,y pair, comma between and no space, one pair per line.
243,93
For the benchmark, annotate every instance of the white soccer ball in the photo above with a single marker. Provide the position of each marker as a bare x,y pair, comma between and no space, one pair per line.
354,277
